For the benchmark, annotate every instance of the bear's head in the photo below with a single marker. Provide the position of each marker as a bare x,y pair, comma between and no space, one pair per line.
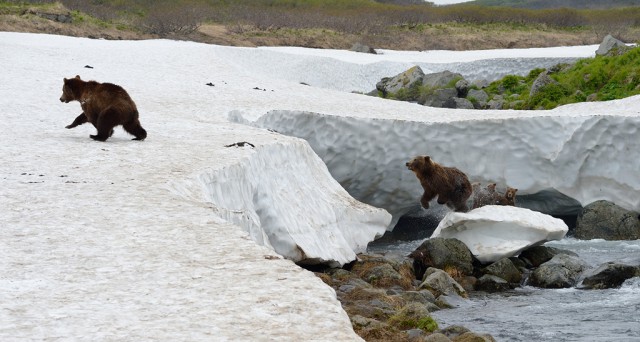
491,187
510,193
71,89
419,163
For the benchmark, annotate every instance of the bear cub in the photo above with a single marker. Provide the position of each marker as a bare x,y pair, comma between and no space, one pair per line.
104,105
448,183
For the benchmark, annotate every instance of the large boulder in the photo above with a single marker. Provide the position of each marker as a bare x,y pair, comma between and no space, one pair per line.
538,255
562,271
439,283
443,79
451,255
611,45
407,79
505,269
438,97
495,232
605,220
612,274
479,97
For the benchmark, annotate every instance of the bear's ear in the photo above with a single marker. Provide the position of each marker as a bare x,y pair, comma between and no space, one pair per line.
77,76
427,159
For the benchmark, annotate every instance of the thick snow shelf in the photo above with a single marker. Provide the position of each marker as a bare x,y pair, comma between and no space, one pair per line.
585,151
285,198
495,232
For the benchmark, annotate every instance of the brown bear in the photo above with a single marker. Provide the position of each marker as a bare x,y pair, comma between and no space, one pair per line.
448,183
484,196
105,105
509,197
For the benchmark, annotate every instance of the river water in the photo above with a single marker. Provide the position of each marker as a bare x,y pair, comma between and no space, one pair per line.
532,314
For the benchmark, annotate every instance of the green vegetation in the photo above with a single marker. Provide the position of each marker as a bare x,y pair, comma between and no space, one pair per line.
601,78
357,17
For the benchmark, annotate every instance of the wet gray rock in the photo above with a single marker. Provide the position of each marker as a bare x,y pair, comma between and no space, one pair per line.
605,220
611,274
445,254
491,283
538,255
506,270
438,282
562,271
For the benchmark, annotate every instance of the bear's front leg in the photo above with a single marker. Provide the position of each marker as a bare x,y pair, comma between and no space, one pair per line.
78,121
426,197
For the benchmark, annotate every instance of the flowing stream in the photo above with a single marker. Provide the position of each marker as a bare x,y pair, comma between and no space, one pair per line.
532,314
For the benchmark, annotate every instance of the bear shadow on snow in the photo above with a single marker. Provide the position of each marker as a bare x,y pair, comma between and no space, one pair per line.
104,105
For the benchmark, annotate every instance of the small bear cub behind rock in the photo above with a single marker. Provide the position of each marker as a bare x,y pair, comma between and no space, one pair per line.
105,105
448,183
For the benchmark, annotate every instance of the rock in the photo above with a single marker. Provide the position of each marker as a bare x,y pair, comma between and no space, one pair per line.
495,232
438,97
505,269
410,78
436,337
473,337
416,224
538,255
479,95
462,87
605,220
454,331
496,103
491,283
562,271
440,283
451,255
422,297
480,84
381,271
451,301
411,316
611,275
359,47
611,46
444,79
457,103
541,81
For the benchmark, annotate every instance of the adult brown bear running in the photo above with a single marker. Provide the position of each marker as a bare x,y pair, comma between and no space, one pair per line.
105,105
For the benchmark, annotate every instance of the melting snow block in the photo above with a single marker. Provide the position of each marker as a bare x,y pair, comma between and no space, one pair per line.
495,232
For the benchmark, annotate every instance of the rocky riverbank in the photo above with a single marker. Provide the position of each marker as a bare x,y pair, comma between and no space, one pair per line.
391,297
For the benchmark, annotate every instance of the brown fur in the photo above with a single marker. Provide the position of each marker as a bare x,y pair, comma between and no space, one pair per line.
105,105
509,197
486,196
448,183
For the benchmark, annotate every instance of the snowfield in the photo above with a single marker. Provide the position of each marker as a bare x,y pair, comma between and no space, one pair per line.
181,238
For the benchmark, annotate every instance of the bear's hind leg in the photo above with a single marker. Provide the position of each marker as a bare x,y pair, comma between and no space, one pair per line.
134,128
105,125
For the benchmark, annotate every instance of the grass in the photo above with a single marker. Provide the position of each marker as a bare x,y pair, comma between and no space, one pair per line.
602,78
